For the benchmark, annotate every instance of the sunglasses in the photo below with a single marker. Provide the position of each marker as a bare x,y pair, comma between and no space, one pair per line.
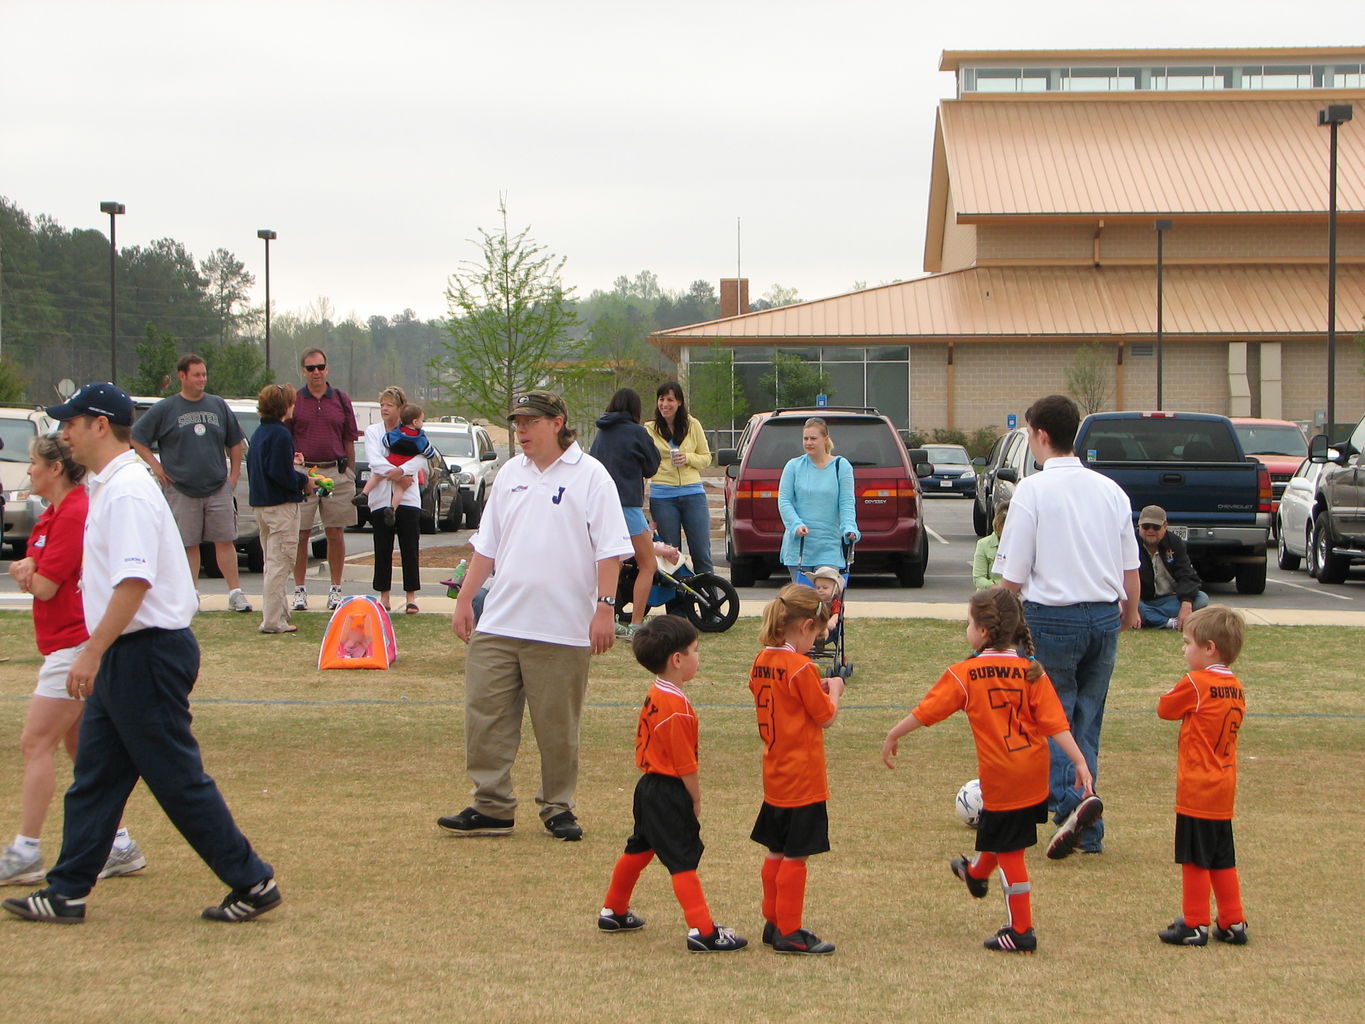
315,368
1151,526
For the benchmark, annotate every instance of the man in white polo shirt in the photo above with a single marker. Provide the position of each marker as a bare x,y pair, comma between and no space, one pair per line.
135,675
554,532
1068,550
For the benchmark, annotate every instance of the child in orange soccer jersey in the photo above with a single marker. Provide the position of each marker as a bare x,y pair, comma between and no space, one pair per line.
1012,710
1210,704
668,796
794,707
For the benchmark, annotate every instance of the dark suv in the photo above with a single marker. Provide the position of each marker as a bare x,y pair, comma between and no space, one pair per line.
1336,535
889,502
1009,462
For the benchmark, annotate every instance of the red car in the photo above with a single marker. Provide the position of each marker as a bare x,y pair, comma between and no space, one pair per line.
889,500
1279,445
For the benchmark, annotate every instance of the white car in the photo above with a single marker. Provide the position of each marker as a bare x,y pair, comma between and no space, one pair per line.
473,463
1294,520
19,425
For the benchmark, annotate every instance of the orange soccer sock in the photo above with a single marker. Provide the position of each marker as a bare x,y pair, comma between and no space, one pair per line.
791,895
623,879
1196,883
771,865
982,865
1227,890
1018,889
687,887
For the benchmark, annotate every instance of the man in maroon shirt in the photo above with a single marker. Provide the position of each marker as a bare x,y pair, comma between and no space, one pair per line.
324,433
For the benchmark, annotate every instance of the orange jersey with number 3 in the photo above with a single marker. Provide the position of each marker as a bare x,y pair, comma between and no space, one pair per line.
1011,720
792,708
1211,705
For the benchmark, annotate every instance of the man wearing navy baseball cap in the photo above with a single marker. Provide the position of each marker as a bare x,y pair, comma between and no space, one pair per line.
135,675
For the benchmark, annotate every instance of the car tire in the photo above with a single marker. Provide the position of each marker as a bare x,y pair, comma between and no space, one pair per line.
318,546
454,515
1284,558
1331,568
255,556
18,549
980,523
1251,577
741,572
208,562
471,509
910,572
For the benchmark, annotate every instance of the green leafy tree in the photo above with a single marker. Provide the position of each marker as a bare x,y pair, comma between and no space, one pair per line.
1088,378
980,440
509,325
156,359
12,382
229,287
715,394
236,369
793,381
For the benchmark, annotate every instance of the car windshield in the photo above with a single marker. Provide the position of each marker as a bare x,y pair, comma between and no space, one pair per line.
1268,439
947,456
1159,439
16,434
863,441
453,446
249,421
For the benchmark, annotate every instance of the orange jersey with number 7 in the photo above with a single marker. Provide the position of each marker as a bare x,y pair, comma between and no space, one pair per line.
1011,719
1211,704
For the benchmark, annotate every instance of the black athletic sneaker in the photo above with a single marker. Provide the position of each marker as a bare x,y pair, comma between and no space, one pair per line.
626,922
564,826
1007,940
244,904
1066,837
975,886
470,822
46,905
1233,934
1178,933
802,941
722,940
769,933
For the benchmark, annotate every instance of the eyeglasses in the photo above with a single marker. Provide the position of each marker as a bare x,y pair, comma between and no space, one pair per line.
1152,526
316,368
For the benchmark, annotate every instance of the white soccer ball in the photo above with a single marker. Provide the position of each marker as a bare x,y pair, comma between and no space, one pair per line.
968,803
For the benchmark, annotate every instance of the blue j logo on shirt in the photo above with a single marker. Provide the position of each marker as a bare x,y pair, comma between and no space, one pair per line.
557,497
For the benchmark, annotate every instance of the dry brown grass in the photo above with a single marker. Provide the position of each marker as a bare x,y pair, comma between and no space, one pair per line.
338,778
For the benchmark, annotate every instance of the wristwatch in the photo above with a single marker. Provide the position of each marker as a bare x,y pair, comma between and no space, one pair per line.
610,602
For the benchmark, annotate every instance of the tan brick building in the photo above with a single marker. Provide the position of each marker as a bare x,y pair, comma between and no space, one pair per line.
1050,171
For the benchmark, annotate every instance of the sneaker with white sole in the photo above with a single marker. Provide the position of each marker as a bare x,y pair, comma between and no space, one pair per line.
123,862
237,602
46,905
244,904
1068,834
300,602
721,940
624,630
609,921
18,868
334,598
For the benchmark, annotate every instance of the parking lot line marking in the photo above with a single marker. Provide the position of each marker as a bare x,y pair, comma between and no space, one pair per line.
937,536
1313,590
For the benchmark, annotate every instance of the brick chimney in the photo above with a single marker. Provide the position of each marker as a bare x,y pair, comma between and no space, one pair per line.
734,296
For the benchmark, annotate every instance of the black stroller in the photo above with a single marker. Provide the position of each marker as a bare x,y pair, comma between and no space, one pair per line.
830,650
708,601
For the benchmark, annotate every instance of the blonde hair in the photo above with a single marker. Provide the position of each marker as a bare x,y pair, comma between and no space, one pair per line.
816,421
998,613
998,523
794,603
394,394
1219,625
52,450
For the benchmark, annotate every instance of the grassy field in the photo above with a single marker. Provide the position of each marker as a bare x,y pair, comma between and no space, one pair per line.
338,778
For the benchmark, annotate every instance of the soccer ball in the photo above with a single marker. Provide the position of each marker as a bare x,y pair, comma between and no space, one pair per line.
968,803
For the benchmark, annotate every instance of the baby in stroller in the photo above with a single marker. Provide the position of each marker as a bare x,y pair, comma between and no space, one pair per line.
829,584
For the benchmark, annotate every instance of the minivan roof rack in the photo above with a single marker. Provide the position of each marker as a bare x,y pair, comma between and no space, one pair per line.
828,408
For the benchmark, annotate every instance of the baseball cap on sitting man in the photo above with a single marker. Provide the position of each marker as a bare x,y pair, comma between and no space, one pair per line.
98,399
538,403
1152,515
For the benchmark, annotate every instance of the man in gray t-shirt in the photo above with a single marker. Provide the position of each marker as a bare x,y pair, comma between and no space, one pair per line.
198,460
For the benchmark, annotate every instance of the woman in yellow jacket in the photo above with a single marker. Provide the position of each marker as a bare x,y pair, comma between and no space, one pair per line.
677,501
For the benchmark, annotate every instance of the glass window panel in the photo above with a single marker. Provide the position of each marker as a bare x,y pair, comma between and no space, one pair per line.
753,355
1035,80
807,353
895,353
997,80
845,383
843,354
1088,79
756,396
888,388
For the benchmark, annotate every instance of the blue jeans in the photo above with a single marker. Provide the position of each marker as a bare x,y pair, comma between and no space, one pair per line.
690,513
1077,646
1160,610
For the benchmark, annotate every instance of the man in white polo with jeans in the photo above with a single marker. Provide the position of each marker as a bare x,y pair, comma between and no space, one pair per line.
554,532
1068,550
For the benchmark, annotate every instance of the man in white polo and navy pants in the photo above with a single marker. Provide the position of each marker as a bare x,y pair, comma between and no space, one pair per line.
135,675
554,532
1068,550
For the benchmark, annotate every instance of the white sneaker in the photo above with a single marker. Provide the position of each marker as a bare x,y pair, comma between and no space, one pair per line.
237,602
334,598
123,862
18,869
300,602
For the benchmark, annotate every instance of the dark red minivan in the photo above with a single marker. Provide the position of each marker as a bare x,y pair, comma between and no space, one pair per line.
889,501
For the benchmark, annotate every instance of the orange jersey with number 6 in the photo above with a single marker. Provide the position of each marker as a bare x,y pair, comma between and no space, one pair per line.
1211,705
1011,719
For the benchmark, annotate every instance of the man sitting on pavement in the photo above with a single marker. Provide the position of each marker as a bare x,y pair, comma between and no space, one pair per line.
1170,586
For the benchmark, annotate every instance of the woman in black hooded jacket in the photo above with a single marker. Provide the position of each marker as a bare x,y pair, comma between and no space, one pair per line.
628,452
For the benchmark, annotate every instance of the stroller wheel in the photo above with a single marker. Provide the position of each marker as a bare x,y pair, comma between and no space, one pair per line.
713,605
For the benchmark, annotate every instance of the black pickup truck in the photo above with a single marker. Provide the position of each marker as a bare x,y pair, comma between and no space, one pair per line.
1336,540
1192,465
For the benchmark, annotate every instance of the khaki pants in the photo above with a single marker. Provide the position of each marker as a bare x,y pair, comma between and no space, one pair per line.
279,528
503,676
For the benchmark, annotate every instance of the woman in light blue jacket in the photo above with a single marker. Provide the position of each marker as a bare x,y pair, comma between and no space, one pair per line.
817,504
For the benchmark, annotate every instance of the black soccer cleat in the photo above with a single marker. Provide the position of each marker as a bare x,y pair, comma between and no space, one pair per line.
1007,940
1233,934
976,886
1178,933
611,922
803,942
1066,837
721,940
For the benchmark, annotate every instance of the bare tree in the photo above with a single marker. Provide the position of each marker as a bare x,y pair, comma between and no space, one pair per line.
1089,378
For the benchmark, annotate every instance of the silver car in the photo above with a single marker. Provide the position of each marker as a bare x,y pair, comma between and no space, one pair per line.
19,425
1294,520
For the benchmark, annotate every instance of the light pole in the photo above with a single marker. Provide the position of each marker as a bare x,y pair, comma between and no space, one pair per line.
267,236
1162,226
1334,115
113,209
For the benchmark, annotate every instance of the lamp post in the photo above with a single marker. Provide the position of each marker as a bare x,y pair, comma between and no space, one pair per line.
1162,226
113,209
1333,115
266,235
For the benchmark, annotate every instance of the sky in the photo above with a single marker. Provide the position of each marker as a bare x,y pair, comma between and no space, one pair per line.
789,141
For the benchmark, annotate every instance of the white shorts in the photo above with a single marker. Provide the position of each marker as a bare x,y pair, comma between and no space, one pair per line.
52,675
